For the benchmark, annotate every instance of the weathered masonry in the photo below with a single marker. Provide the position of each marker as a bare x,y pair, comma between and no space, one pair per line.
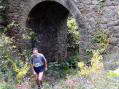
48,18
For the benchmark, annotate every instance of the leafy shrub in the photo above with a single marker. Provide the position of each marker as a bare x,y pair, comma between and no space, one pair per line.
96,65
12,67
72,25
6,86
57,69
73,29
101,40
61,69
73,35
113,73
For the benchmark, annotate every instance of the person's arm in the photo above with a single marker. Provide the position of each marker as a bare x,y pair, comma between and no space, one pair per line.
32,64
33,69
46,65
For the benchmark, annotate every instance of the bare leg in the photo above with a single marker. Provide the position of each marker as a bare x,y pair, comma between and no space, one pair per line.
39,78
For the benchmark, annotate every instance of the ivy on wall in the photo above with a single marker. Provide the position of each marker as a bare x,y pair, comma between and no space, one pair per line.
73,35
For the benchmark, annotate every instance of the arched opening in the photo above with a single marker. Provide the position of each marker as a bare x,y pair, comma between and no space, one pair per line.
48,20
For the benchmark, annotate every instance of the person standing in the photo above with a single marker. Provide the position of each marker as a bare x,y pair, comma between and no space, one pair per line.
39,65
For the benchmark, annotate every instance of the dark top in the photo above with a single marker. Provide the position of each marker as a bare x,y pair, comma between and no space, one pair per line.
38,60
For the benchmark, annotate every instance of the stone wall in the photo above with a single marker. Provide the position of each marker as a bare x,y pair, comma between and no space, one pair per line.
104,15
91,15
20,10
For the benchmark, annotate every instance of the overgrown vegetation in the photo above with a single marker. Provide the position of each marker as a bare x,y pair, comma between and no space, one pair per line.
61,69
11,65
6,86
14,55
96,65
70,74
100,40
73,35
16,62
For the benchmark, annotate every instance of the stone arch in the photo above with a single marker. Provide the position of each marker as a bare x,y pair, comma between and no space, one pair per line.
21,9
48,19
70,5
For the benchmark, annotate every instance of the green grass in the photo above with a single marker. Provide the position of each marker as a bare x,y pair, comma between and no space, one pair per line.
114,73
6,86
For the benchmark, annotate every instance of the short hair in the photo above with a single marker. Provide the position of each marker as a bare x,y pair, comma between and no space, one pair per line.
35,48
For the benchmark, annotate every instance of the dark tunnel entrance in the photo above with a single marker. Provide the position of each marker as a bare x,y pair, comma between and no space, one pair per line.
48,20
